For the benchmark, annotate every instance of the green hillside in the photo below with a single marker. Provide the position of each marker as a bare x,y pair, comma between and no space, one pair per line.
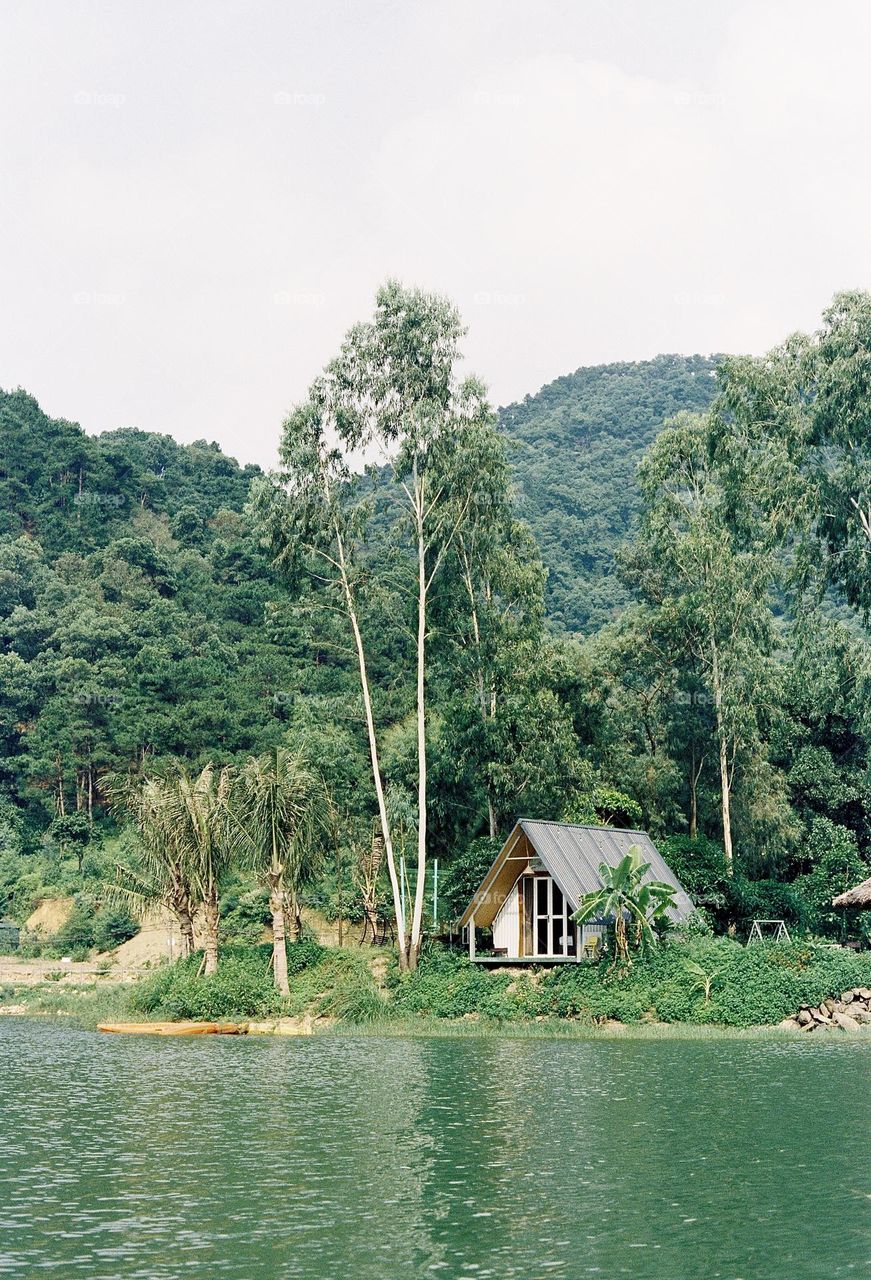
134,612
75,491
575,448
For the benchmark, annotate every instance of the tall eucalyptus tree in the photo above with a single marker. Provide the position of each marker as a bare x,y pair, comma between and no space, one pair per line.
711,588
391,397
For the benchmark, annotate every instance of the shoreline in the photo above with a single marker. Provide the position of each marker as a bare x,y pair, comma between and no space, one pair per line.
431,1028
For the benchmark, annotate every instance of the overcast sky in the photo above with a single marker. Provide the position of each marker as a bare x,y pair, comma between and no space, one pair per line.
198,198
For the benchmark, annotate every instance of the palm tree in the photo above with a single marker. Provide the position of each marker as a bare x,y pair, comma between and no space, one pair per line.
628,898
162,874
199,810
277,809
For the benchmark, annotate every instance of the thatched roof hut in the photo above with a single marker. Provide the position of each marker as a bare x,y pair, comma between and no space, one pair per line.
860,897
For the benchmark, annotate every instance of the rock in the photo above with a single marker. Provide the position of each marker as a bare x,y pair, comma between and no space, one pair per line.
838,1006
862,1015
820,1015
864,992
791,1024
845,1022
846,996
830,1004
805,1018
810,1026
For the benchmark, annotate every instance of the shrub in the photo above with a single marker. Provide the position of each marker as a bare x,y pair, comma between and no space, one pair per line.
446,984
751,986
303,955
244,914
354,1001
463,875
837,866
30,945
241,988
75,938
112,927
699,864
746,900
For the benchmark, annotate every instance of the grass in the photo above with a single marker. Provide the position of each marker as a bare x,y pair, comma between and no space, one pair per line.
87,1004
561,1029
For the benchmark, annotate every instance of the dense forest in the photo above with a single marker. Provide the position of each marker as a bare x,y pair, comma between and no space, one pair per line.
611,603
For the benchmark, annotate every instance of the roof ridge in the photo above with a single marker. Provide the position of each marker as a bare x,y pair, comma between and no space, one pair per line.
584,826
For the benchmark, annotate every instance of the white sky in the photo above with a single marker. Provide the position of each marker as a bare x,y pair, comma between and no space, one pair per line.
198,197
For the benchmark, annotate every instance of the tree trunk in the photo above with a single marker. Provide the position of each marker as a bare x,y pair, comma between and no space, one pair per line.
212,916
279,948
61,804
294,924
479,673
491,813
373,755
725,781
695,774
186,929
420,886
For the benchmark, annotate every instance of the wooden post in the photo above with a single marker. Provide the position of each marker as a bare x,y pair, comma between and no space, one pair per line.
472,938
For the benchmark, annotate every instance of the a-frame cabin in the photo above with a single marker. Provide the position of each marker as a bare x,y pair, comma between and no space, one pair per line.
536,883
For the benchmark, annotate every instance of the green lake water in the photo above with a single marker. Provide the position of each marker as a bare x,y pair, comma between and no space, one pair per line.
368,1159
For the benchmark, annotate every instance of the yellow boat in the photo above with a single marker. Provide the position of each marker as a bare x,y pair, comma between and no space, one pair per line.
175,1028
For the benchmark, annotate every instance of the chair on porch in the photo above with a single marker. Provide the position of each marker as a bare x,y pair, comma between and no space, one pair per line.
591,947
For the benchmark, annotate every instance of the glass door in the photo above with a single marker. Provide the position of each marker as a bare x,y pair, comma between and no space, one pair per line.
553,933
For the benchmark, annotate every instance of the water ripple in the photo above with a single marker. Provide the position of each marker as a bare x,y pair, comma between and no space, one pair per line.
667,1160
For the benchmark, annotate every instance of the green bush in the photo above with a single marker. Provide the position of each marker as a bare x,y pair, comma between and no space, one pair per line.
837,865
746,986
746,900
303,955
463,875
446,984
30,945
244,914
699,864
241,988
750,986
113,926
75,938
354,1001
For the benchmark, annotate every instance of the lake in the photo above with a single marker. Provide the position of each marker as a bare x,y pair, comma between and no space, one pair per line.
374,1158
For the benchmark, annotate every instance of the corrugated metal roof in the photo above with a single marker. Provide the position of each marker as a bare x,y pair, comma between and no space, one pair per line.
573,854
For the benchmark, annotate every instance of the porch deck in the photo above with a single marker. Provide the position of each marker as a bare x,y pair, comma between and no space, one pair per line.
477,958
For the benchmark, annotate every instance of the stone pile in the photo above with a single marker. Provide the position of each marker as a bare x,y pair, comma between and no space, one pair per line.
849,1011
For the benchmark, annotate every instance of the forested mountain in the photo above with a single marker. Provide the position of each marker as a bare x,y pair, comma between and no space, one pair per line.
134,611
73,491
575,449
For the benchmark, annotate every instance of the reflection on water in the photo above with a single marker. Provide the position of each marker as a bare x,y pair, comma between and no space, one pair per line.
367,1158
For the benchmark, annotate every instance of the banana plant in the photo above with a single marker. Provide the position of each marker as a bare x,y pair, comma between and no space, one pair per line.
631,900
